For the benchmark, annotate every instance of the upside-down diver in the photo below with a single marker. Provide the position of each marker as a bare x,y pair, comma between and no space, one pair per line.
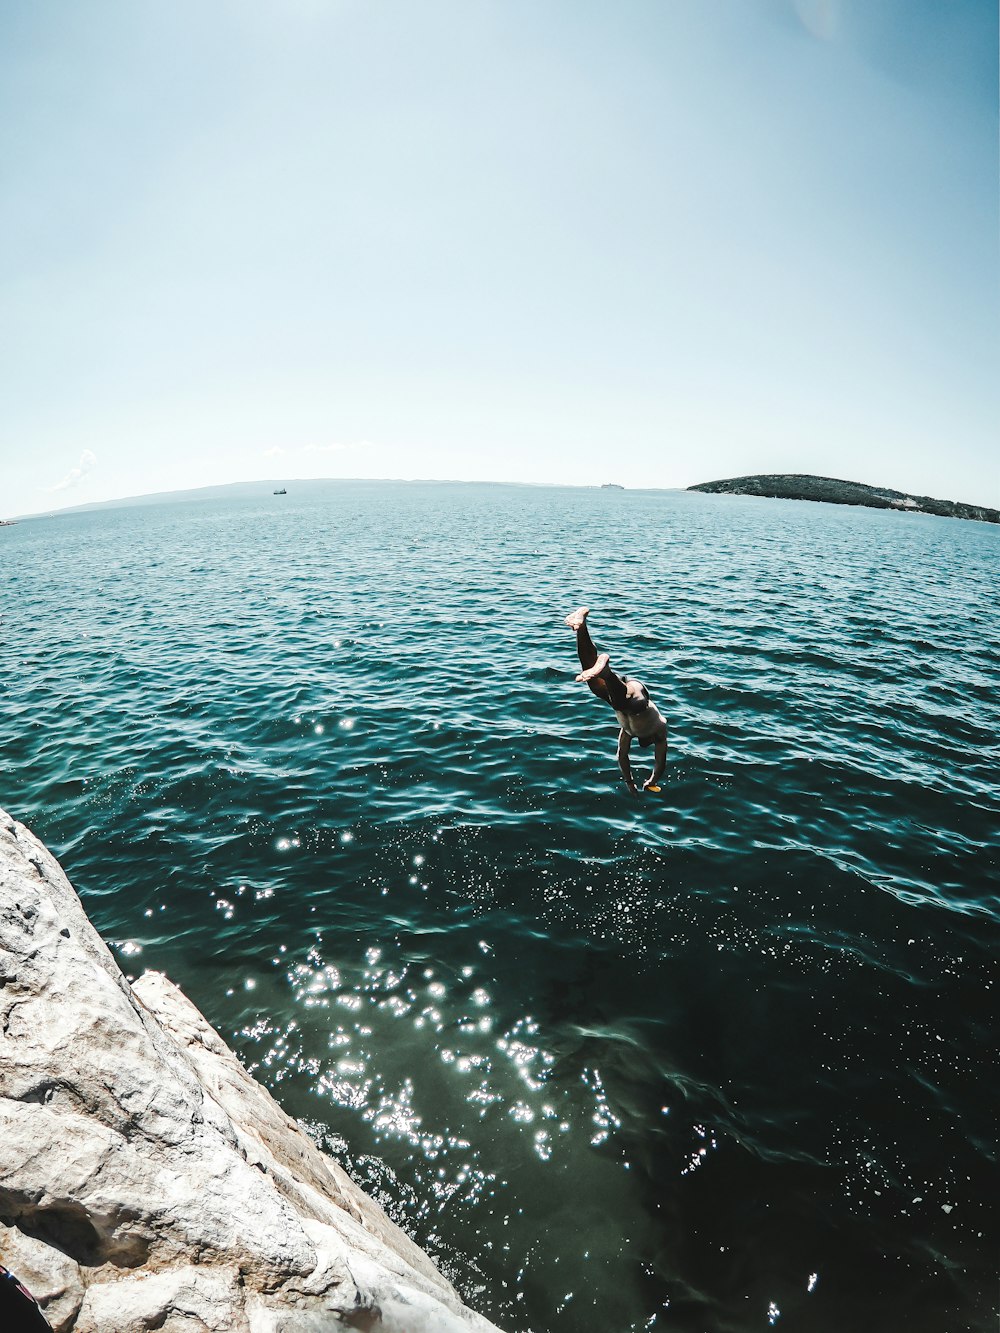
638,717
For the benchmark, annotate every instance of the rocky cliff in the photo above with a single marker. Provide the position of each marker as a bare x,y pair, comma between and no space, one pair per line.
146,1181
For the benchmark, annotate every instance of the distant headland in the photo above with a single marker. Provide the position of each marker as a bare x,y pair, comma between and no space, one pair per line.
799,486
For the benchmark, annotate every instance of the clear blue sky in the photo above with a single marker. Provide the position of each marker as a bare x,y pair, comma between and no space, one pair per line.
652,241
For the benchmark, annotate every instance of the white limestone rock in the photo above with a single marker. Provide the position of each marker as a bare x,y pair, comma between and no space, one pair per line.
146,1181
52,1277
177,1300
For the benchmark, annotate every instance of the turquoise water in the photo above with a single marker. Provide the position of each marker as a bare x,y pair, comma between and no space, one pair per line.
722,1059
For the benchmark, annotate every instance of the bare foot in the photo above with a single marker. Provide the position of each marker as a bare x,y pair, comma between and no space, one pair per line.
577,619
596,669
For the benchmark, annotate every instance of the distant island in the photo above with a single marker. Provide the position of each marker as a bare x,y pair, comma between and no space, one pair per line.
799,486
611,486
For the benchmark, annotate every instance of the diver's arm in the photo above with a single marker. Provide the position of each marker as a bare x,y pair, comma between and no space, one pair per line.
659,764
624,742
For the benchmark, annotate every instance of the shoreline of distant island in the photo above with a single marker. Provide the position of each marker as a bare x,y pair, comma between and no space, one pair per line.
831,490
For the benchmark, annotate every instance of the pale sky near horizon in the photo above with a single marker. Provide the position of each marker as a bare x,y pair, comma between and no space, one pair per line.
654,242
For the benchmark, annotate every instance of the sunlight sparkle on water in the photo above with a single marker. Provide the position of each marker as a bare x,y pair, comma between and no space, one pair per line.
508,1072
700,1153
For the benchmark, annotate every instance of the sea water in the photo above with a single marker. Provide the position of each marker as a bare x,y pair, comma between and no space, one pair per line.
718,1059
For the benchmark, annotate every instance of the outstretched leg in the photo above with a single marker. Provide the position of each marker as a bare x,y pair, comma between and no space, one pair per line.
584,643
596,669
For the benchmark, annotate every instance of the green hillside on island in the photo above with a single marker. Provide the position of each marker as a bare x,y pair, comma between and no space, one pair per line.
799,486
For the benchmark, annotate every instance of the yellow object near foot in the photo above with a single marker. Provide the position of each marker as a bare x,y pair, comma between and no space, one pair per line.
652,789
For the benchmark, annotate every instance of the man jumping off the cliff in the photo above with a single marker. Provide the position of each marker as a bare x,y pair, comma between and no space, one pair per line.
638,717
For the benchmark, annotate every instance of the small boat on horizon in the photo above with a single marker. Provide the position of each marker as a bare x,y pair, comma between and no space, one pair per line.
281,492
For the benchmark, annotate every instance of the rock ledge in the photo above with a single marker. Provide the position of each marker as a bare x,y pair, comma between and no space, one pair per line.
146,1180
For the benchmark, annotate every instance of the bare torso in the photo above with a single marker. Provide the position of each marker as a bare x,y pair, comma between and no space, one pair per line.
648,723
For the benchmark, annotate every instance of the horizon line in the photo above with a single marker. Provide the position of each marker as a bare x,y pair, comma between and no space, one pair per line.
278,481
